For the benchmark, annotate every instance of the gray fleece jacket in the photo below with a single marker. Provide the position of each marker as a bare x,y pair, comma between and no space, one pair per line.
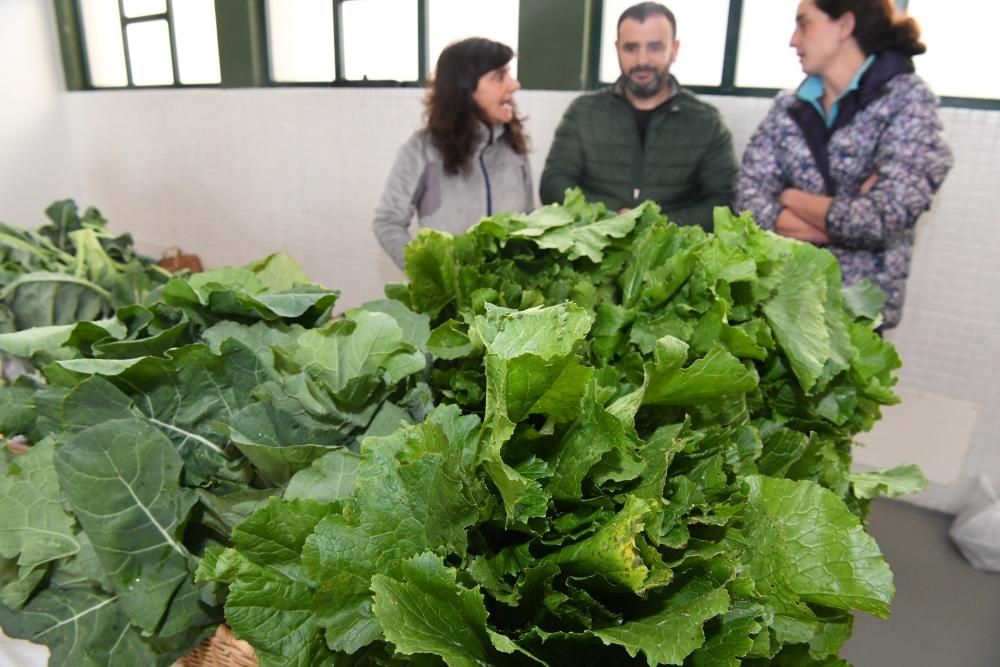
497,179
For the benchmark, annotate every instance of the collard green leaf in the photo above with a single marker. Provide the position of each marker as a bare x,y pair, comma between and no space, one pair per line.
278,444
185,396
34,527
330,478
86,628
43,298
416,327
122,480
352,359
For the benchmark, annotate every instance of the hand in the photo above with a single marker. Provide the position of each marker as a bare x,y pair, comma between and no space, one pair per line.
792,226
869,183
624,209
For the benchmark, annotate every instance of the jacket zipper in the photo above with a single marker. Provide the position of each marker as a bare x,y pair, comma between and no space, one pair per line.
486,178
638,159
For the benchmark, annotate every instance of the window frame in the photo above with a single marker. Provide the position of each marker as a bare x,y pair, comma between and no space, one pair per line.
73,44
244,51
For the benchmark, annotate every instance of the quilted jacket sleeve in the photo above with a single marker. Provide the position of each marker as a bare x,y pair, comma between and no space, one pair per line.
911,162
761,178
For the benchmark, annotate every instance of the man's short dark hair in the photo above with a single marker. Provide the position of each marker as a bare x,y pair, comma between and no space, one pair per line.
644,10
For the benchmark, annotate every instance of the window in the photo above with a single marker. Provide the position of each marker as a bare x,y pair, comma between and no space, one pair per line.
764,58
301,40
150,42
960,54
134,43
699,29
451,20
380,40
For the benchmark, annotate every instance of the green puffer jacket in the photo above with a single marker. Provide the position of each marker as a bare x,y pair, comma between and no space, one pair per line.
687,164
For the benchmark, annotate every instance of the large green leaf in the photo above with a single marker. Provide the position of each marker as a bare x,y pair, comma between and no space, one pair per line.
716,374
271,602
277,443
590,239
803,543
425,610
34,527
184,395
45,299
408,499
86,628
798,313
348,362
430,265
122,480
531,367
676,628
330,478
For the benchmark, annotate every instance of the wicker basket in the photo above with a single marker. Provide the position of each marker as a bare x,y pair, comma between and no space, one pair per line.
221,650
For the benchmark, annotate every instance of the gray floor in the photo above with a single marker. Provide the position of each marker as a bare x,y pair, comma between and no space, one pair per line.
945,614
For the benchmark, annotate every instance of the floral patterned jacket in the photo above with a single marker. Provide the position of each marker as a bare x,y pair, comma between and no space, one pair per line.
889,127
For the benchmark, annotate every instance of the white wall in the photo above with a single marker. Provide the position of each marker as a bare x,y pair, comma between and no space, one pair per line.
36,167
234,175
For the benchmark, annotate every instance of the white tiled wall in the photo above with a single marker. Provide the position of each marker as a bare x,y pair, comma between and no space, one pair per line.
35,162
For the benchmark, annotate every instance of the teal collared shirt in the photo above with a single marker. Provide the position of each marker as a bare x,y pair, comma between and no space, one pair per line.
811,91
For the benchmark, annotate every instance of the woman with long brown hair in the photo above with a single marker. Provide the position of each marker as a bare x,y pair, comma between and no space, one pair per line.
470,158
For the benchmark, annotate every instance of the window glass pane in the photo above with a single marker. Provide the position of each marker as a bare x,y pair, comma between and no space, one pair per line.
701,29
102,33
149,53
135,8
380,39
960,38
764,58
300,35
451,20
197,41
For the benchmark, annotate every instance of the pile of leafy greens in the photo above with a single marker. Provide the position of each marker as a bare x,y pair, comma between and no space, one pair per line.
639,454
573,438
157,430
68,270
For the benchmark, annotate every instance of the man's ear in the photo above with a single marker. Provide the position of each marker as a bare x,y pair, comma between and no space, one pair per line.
677,47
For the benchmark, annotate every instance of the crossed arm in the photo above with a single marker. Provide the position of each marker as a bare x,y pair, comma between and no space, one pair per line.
803,215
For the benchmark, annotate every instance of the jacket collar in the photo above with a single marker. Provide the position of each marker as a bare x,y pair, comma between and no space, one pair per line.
487,135
872,85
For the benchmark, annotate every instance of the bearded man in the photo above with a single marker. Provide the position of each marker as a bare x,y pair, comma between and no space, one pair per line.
645,137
